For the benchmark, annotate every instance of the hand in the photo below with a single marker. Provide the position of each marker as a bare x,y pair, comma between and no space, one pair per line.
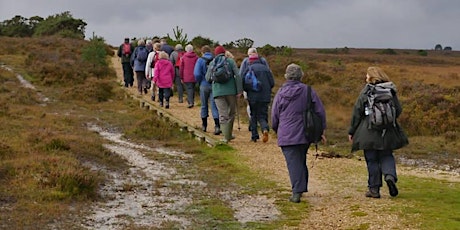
323,139
350,138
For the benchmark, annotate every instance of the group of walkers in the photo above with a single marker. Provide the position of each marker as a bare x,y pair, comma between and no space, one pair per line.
166,66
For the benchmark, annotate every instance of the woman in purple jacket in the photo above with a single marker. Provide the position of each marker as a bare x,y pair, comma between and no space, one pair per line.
288,108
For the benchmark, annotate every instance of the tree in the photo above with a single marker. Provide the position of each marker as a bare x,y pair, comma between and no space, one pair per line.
61,24
200,41
18,26
179,36
438,47
244,43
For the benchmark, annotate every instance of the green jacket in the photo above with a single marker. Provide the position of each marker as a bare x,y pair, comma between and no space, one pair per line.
365,138
233,86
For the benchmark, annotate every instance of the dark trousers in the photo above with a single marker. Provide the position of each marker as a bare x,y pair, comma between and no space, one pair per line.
190,87
141,81
128,75
296,161
379,163
179,85
164,94
259,114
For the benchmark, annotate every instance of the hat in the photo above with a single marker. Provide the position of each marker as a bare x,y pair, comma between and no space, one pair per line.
219,50
126,39
293,72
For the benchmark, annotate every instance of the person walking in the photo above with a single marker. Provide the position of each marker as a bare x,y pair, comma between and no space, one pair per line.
153,57
225,93
377,144
163,77
287,118
259,100
206,97
186,69
124,52
138,61
175,58
244,69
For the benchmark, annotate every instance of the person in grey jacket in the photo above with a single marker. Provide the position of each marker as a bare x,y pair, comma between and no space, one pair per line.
259,101
288,108
378,145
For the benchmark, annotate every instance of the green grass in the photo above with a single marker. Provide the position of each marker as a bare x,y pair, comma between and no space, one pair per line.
433,204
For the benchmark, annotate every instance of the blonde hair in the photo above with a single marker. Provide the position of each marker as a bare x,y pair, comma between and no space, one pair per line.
141,42
375,75
163,55
229,54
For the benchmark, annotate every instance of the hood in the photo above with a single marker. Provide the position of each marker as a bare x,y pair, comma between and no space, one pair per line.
190,54
387,85
291,90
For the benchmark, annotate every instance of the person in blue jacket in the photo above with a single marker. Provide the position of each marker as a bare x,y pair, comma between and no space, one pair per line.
201,67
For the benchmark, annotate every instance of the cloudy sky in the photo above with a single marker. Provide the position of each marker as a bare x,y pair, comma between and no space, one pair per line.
398,24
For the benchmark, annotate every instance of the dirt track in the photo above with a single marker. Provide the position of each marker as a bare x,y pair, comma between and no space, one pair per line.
336,185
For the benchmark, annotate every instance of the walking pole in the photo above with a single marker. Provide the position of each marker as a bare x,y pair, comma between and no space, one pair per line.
237,114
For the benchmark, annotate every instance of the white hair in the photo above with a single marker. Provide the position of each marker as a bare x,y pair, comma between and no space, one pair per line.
252,50
189,48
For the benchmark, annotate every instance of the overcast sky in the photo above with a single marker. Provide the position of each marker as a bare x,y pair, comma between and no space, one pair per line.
398,24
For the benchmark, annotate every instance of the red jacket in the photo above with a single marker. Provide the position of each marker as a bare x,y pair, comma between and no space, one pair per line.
187,66
163,73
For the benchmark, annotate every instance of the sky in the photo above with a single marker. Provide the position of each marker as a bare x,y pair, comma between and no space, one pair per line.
396,24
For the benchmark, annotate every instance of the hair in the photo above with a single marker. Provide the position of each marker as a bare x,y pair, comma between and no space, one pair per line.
156,46
205,49
252,50
149,42
229,54
294,72
178,47
189,48
141,42
163,55
376,75
163,41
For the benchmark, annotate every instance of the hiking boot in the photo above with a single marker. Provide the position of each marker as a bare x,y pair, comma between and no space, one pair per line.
391,182
145,91
295,198
217,130
204,124
152,97
373,192
167,105
265,137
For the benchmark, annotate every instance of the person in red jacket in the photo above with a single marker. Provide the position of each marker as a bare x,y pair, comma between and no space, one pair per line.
163,77
186,73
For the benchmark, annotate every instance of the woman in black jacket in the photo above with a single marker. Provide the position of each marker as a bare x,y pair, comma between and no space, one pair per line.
377,144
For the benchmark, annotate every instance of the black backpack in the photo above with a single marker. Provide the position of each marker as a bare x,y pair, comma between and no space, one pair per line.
312,121
380,108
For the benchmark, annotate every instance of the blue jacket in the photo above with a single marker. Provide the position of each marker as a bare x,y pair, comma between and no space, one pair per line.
201,68
265,77
137,65
287,113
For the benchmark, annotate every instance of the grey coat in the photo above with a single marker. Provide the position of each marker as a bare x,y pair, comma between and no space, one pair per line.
365,138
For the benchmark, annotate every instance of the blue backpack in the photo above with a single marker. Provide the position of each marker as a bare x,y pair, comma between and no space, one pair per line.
142,54
251,82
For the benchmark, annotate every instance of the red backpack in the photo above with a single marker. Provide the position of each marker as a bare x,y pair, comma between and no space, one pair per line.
179,58
126,48
155,59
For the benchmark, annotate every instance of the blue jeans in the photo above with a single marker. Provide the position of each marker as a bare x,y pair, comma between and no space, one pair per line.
379,163
296,161
206,98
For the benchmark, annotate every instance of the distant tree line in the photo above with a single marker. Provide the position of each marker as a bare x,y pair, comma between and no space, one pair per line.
62,24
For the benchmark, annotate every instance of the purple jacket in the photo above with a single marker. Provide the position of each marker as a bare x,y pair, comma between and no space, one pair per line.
287,113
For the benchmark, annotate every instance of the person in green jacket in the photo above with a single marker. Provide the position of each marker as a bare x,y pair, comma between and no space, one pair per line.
378,145
225,94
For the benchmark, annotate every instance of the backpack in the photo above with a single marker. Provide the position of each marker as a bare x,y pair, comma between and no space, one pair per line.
380,108
220,72
251,82
155,59
179,58
126,49
142,54
312,121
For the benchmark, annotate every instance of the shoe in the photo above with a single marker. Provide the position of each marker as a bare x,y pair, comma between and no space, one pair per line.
161,104
265,137
145,91
373,192
167,105
254,139
217,130
153,97
181,101
295,198
189,106
391,185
